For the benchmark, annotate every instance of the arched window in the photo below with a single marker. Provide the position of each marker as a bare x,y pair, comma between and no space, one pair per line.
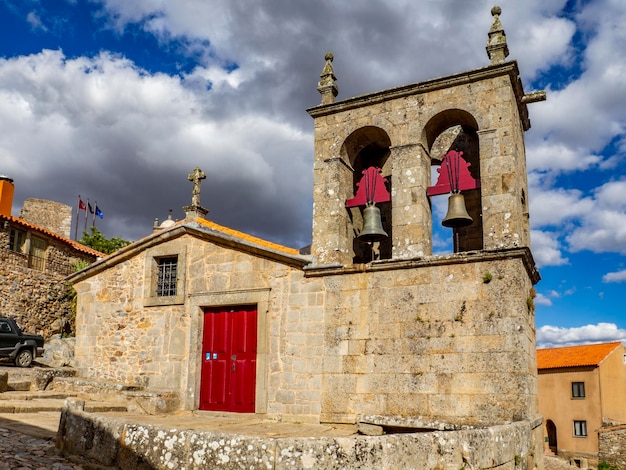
455,130
368,147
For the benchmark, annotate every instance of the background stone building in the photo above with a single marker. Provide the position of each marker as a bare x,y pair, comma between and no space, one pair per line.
581,391
34,260
377,331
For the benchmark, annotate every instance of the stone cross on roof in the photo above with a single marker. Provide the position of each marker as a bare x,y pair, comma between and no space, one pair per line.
195,210
196,176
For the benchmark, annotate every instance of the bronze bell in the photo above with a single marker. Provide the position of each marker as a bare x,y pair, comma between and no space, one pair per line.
457,215
372,225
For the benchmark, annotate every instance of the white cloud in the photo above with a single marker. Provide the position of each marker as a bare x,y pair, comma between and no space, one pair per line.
35,21
553,336
603,229
546,249
542,300
554,206
104,126
618,276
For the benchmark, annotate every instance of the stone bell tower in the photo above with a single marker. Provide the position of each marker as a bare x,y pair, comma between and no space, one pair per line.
396,130
412,338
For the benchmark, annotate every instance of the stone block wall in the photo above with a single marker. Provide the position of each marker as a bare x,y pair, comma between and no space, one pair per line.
51,215
424,343
40,301
430,343
612,445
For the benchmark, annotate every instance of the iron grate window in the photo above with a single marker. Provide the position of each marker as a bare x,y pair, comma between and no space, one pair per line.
37,255
166,283
578,389
580,428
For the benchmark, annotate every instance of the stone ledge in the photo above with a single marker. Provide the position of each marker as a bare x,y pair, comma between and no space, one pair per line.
116,442
430,261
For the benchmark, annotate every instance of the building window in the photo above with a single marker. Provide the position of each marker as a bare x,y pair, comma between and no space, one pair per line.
578,389
37,255
580,428
166,281
16,240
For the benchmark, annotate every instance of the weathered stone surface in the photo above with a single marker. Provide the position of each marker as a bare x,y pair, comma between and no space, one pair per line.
59,352
106,441
4,381
612,445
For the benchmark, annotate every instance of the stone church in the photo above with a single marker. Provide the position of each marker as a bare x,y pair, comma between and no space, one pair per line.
371,327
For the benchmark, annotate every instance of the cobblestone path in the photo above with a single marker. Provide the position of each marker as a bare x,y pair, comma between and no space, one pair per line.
22,452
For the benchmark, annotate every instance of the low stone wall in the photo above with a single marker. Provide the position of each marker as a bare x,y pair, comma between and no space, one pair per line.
612,445
110,442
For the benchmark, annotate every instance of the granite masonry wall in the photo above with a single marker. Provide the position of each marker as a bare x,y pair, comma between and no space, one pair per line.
612,445
54,216
40,301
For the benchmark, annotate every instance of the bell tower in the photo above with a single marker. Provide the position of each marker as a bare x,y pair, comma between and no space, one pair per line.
471,123
413,338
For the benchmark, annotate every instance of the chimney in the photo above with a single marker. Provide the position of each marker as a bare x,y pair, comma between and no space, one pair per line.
6,195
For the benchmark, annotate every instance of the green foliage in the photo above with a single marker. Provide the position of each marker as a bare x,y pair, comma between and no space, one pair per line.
487,278
606,466
99,242
81,264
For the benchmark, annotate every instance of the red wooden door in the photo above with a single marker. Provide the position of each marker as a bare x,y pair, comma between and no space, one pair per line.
228,375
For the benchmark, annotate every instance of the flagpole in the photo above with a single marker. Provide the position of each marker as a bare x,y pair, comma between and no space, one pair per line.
77,216
95,206
86,215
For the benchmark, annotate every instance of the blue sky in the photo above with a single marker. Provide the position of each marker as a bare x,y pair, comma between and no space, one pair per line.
118,101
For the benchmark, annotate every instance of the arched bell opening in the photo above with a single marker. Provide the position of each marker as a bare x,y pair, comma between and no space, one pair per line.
455,193
367,151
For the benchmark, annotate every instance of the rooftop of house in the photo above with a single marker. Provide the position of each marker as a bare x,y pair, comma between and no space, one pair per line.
574,356
74,244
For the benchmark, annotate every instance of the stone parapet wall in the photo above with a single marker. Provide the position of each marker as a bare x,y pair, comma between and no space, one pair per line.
612,445
126,445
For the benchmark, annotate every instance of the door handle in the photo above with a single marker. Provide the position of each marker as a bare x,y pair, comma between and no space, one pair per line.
233,358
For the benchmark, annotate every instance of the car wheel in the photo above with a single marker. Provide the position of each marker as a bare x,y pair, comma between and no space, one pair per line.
24,358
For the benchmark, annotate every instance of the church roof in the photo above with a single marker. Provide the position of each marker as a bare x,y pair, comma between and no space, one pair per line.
574,356
247,237
74,244
204,229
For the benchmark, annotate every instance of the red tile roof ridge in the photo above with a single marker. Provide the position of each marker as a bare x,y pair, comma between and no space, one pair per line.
76,245
574,356
247,237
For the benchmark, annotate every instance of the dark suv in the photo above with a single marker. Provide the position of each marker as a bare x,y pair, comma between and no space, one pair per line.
20,347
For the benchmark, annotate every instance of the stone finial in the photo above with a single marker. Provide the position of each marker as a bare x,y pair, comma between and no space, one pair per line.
497,49
195,210
327,86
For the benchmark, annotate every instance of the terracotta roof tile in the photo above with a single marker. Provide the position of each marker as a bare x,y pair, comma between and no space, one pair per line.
574,356
77,246
248,238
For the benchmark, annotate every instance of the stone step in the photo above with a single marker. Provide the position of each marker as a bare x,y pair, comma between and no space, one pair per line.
28,395
18,386
38,404
133,397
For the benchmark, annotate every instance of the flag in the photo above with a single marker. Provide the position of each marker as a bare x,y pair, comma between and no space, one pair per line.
81,205
90,208
99,212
